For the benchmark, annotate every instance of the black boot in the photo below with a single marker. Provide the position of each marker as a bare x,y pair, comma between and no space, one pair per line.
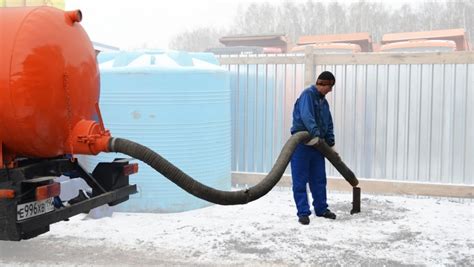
304,220
328,215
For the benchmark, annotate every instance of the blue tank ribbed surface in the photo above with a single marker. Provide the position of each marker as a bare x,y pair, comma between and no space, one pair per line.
177,104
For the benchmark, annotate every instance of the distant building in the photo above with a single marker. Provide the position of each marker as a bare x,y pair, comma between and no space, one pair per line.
336,43
268,43
328,48
425,41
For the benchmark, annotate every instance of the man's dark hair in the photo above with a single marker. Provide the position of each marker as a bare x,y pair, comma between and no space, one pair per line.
326,76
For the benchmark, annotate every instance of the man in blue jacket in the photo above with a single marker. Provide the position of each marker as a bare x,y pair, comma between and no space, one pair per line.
311,113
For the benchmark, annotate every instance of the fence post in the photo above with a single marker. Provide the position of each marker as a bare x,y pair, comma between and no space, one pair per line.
308,66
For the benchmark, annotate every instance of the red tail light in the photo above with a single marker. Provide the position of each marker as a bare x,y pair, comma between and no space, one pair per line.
47,191
7,193
130,169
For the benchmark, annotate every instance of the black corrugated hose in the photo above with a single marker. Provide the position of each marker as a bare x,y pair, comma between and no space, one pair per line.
202,191
336,161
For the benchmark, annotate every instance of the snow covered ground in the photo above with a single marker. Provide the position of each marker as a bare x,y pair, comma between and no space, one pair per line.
390,231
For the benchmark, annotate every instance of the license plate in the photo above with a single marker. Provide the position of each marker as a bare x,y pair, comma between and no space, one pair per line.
35,208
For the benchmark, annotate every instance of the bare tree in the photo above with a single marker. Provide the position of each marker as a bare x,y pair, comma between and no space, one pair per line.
290,20
459,14
256,19
311,18
196,40
431,15
314,18
336,19
368,17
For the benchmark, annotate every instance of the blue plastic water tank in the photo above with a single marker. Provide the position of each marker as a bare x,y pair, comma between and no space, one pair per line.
177,104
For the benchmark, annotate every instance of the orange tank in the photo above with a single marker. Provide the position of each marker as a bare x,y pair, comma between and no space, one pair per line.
49,85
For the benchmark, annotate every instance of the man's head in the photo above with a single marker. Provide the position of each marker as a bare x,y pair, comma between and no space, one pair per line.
325,82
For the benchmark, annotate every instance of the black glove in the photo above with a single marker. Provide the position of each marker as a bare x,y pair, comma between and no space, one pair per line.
330,142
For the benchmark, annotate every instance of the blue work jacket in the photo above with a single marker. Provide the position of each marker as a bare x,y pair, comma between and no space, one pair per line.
311,113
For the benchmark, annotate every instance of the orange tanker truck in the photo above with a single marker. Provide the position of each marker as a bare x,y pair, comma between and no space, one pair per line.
49,93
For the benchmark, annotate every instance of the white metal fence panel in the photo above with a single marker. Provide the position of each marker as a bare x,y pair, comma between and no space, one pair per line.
262,100
411,122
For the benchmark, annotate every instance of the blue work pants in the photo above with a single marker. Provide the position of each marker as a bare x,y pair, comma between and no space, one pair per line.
308,167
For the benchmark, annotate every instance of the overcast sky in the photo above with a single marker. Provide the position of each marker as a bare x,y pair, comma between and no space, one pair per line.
129,24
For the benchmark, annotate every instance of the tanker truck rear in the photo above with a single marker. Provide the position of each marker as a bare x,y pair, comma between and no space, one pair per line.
49,112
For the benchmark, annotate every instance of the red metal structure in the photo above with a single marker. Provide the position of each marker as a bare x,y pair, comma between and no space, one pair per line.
361,39
445,40
328,48
272,43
